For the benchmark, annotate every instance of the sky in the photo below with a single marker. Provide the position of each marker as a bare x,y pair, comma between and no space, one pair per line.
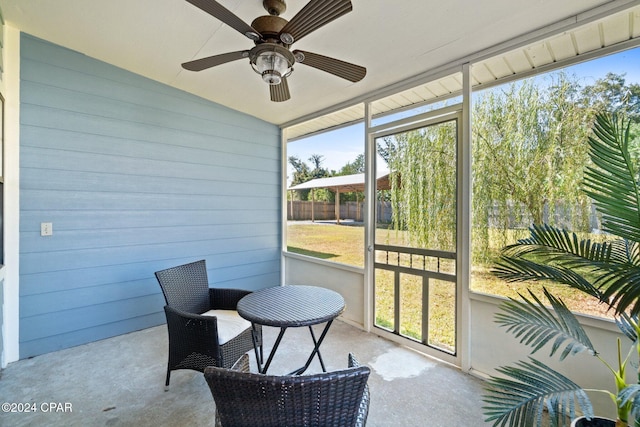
338,147
343,145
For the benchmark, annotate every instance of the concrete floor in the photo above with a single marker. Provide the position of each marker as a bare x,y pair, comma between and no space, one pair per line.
120,382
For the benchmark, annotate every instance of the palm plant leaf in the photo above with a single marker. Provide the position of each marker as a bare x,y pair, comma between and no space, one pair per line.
513,269
519,398
625,252
536,325
627,325
621,288
553,244
607,271
611,182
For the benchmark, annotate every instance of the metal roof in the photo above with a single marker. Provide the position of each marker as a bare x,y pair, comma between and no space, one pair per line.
343,183
566,44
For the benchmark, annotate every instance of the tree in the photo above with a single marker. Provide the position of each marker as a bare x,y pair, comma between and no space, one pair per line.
386,148
300,174
612,93
529,149
355,167
423,184
301,170
318,171
303,173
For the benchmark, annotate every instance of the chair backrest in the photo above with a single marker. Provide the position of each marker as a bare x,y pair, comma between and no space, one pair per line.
186,287
250,399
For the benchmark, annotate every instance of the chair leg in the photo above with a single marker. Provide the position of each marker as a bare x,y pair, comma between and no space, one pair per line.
254,338
166,384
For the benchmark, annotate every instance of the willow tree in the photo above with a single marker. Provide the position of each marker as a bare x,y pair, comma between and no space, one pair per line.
423,180
529,150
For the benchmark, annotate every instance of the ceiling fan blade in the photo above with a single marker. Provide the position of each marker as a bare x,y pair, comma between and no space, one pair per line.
345,70
280,92
220,12
313,16
212,61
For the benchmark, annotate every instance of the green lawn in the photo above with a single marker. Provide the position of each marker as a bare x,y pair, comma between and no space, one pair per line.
345,244
339,243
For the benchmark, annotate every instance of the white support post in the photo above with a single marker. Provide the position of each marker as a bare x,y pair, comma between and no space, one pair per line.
10,86
464,225
369,218
283,205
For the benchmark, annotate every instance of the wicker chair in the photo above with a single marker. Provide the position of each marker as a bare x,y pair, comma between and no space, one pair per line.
243,399
204,328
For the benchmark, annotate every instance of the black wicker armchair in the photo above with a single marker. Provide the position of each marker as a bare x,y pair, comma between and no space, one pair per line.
204,328
328,399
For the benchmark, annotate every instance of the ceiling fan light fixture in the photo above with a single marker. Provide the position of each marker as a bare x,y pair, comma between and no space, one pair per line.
272,62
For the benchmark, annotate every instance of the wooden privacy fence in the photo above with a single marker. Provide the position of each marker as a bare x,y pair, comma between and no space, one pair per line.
516,218
302,211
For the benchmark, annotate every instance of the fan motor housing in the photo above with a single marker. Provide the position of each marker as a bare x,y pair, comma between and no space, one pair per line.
269,26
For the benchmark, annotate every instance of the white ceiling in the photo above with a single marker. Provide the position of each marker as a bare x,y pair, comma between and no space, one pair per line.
394,40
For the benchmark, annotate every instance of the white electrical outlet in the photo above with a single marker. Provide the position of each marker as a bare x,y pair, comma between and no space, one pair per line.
46,228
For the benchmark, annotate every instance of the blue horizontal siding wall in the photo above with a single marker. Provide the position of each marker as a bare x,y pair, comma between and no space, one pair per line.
135,176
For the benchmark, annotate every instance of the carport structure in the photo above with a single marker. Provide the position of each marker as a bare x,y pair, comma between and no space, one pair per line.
340,184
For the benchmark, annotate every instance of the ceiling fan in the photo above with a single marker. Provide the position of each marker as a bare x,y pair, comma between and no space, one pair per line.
271,57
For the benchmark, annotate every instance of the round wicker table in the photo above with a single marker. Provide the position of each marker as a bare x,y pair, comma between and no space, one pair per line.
291,306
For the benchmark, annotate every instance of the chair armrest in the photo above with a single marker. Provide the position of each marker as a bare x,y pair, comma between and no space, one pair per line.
191,323
225,299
